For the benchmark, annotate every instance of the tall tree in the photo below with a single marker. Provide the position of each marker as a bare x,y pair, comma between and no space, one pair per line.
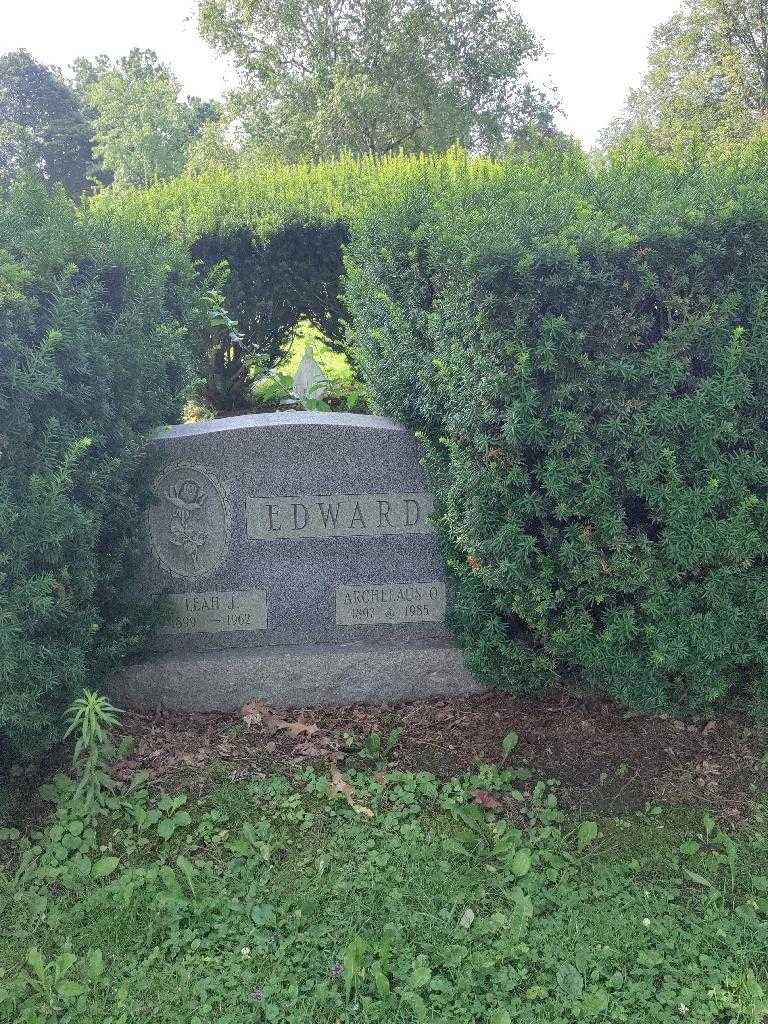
707,80
43,126
142,129
373,76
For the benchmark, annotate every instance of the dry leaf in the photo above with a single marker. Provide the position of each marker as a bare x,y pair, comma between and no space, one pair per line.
253,714
487,800
296,729
259,714
340,787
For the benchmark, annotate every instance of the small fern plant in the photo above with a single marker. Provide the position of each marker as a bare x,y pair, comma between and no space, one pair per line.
90,718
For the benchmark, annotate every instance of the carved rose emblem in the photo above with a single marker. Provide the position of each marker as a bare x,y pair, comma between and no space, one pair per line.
186,499
190,525
187,495
185,536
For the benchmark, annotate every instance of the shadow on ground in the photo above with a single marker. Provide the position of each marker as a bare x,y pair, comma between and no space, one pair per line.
607,760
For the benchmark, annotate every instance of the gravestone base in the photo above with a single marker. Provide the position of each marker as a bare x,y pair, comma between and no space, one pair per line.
311,675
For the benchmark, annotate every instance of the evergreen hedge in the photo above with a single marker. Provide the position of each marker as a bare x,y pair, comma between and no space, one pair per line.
278,234
93,355
584,349
582,346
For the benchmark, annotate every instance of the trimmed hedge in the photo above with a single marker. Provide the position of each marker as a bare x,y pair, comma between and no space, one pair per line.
93,355
268,285
278,234
584,349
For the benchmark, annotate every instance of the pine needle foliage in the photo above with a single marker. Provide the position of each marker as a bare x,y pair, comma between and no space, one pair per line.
582,345
92,357
584,348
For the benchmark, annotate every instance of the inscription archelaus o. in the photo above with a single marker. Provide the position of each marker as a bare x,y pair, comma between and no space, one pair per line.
389,604
304,517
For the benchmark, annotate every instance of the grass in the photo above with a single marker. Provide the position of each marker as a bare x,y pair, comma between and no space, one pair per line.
379,896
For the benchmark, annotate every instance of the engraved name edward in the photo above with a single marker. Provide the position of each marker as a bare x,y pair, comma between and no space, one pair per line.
337,515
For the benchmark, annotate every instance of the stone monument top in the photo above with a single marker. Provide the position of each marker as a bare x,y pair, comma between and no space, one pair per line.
309,381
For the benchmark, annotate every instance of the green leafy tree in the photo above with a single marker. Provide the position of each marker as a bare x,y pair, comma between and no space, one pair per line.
43,126
320,77
142,129
213,149
707,81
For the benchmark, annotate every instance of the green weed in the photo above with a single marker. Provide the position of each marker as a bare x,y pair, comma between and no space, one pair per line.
275,900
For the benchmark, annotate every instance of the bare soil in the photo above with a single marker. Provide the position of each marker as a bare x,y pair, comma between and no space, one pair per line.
608,760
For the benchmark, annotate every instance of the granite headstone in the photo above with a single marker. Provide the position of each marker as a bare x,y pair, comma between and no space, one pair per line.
298,564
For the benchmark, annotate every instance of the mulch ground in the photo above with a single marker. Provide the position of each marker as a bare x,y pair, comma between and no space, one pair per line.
606,759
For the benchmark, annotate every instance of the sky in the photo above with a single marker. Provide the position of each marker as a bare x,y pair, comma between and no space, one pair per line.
597,49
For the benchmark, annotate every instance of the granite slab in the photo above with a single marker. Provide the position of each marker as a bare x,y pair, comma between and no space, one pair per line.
286,539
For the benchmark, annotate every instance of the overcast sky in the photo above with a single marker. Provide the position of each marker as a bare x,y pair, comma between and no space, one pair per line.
597,48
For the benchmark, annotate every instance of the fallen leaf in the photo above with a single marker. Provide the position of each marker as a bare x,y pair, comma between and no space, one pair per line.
253,714
340,787
296,729
487,800
259,714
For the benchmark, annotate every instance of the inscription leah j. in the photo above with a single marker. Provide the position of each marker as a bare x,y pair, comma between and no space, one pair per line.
215,612
389,604
337,515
